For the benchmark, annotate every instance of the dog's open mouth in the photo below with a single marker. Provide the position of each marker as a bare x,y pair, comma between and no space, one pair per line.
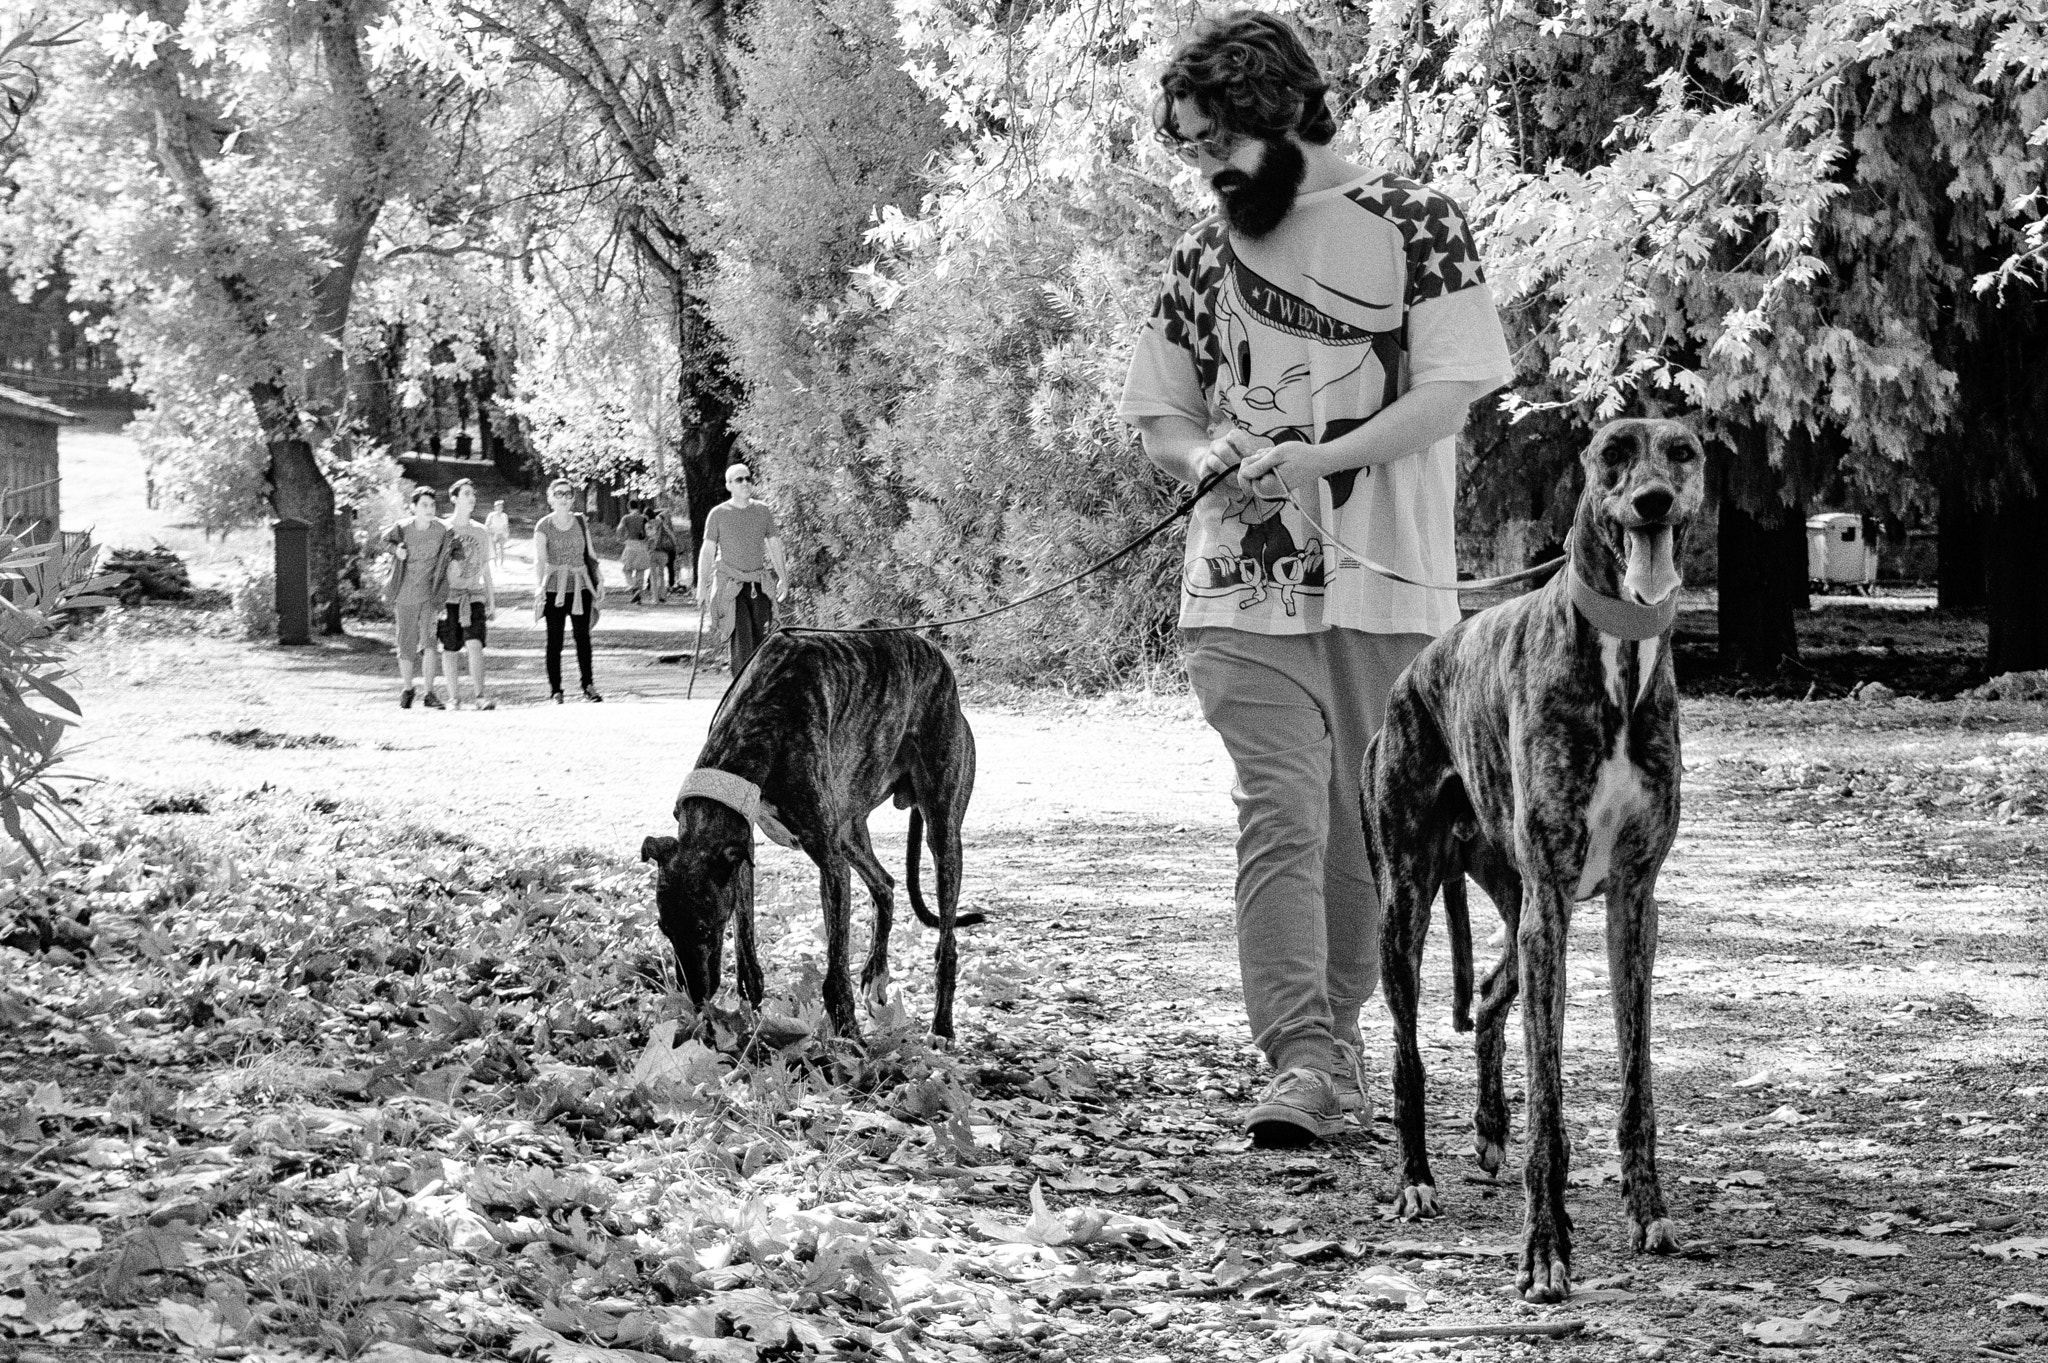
1650,575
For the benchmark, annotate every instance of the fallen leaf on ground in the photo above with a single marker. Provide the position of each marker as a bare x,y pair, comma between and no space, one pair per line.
1383,1285
1862,1249
1422,1249
1810,1328
2019,1247
2033,1299
1848,1289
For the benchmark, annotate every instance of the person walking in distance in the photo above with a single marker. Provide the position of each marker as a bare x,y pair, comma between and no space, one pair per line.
500,526
569,586
635,558
741,565
472,594
661,545
1322,336
420,546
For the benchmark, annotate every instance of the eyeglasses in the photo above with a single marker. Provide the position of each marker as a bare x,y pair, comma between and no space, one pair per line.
739,478
1217,146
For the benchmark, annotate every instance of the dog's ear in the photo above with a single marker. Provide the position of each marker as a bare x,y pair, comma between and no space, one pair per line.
727,860
658,849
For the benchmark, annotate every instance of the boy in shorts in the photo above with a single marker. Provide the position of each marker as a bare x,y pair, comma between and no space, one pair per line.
416,588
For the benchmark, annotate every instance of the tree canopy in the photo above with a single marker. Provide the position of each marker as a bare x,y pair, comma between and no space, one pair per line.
895,253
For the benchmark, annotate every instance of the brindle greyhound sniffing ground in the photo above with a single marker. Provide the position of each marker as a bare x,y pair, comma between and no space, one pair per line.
818,731
1536,744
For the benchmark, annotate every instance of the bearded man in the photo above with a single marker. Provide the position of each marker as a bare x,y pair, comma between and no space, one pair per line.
1323,336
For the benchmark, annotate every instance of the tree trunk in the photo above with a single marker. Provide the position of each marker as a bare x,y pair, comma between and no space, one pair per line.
707,444
2000,454
1959,547
2013,555
1763,581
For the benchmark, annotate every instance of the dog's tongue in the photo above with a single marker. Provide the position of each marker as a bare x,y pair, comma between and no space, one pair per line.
1650,575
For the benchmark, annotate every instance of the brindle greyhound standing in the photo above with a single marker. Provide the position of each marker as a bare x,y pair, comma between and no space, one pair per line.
817,731
1536,744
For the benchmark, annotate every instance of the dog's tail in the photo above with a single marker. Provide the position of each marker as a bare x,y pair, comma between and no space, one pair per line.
1459,924
917,905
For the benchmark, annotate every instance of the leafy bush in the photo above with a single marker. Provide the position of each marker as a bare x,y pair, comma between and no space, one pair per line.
253,598
38,584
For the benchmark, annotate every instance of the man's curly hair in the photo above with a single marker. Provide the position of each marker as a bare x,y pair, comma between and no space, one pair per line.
1250,73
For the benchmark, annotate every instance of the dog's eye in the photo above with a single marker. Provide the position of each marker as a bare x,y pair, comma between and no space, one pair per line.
1683,451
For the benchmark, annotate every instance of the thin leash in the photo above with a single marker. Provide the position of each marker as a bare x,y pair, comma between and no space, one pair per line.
1140,542
1541,570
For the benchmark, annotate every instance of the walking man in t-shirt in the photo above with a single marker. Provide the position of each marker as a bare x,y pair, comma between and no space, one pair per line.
634,559
741,565
1323,335
472,594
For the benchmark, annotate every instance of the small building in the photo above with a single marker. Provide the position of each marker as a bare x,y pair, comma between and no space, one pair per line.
1841,551
28,462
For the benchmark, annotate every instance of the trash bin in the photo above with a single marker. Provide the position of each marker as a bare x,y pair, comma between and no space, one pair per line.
294,581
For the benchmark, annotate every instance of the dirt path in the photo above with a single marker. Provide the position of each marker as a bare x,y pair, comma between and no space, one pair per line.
1852,1033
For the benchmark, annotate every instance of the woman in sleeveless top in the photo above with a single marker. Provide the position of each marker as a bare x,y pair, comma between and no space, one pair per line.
563,557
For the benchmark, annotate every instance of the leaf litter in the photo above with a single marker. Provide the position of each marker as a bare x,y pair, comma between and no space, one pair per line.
346,1086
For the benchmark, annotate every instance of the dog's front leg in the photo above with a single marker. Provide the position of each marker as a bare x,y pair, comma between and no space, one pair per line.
1631,959
745,955
836,894
1547,1228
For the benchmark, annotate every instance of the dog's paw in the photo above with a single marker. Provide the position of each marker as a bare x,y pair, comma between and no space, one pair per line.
1658,1237
1544,1278
1492,1153
1416,1201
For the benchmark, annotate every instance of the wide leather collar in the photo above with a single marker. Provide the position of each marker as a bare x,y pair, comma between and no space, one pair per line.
1622,619
738,794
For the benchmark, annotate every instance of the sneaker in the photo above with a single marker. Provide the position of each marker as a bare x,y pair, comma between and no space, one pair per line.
405,699
1298,1107
432,700
557,696
484,703
590,693
1349,1082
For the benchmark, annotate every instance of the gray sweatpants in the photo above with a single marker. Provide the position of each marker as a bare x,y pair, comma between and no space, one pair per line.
1295,713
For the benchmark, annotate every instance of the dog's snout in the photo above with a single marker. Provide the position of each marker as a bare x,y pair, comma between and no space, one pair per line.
1653,504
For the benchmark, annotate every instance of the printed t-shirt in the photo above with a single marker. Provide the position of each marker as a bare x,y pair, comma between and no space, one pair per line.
1363,291
422,545
741,534
468,558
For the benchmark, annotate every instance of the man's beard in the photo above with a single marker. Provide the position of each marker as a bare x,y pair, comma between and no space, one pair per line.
1254,204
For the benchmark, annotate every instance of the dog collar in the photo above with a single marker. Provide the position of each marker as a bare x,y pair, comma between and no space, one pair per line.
1622,619
738,794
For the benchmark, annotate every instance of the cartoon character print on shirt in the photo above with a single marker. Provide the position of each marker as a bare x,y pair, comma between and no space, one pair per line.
1267,559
